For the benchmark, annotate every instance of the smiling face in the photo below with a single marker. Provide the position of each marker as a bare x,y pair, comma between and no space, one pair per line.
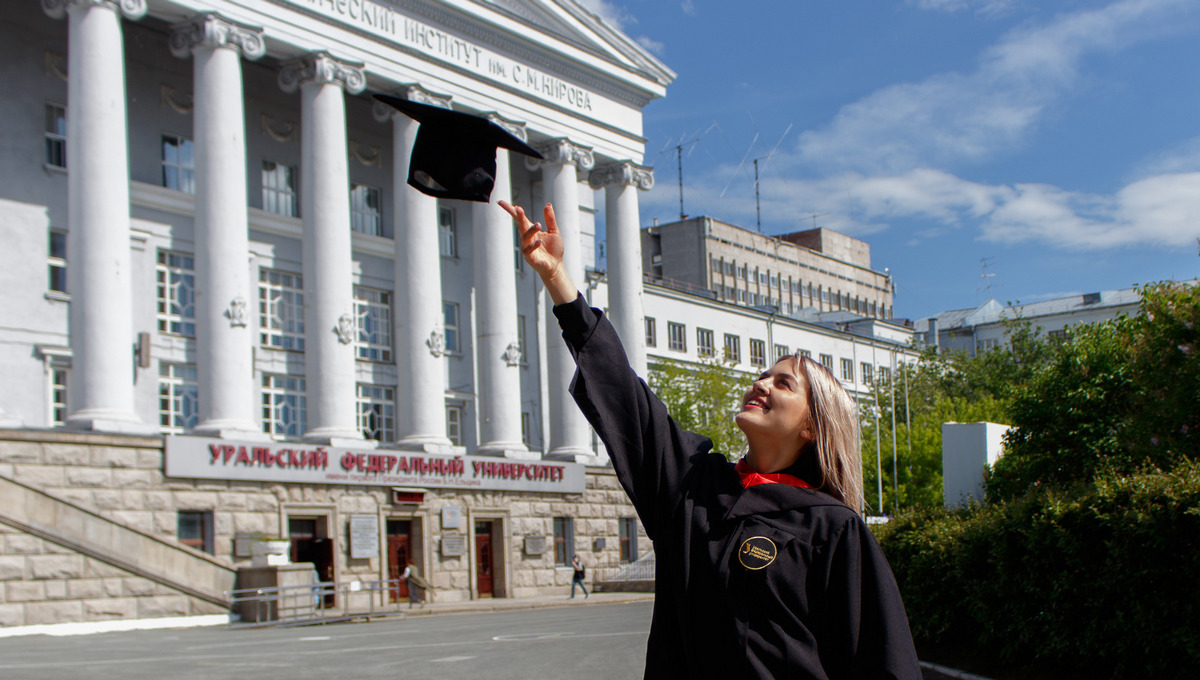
776,416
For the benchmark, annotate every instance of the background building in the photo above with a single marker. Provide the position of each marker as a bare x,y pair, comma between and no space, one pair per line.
817,269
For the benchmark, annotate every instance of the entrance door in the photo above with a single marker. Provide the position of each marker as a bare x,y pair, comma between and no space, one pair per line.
309,544
484,568
399,533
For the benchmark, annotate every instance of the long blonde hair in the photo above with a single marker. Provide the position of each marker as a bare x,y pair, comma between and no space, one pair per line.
836,436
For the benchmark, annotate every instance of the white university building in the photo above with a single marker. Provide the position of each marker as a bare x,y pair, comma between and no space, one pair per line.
225,316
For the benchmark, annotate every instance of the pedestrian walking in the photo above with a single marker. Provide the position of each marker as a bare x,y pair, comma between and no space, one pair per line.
765,569
577,577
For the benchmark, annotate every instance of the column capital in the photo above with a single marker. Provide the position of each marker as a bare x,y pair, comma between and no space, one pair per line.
627,173
562,151
132,9
209,29
413,93
511,127
322,68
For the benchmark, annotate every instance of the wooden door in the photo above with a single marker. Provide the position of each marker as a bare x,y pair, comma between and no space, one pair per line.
484,569
399,533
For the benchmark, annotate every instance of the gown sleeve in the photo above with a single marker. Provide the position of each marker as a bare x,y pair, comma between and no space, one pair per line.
650,452
867,629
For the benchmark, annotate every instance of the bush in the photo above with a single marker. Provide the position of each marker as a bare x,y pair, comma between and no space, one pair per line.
1096,581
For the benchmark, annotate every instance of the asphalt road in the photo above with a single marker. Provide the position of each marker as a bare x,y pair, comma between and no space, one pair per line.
597,642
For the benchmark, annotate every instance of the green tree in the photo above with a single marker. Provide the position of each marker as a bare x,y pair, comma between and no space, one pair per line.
703,398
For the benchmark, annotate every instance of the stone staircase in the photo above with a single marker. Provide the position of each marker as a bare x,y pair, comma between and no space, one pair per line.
174,566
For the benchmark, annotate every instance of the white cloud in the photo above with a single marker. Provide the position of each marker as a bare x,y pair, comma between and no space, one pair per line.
650,45
613,14
984,7
954,118
688,7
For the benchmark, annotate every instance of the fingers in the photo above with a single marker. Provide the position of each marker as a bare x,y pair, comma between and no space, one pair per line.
551,223
517,213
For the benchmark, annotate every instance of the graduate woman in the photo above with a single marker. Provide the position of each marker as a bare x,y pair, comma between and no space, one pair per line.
765,568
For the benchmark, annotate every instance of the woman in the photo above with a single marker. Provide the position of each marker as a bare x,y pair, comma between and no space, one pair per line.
764,569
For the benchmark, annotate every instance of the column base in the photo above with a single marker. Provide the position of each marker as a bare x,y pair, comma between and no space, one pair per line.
576,455
230,429
109,420
434,445
510,450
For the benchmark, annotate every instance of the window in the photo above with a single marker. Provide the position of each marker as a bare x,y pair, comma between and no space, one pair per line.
373,316
56,135
364,210
195,528
564,541
651,333
279,189
450,323
762,278
454,424
848,370
728,268
826,360
526,428
885,375
807,353
781,351
742,272
1057,336
774,280
377,412
175,274
58,394
733,348
178,165
447,238
178,405
58,261
704,342
758,353
677,336
518,257
281,309
627,536
284,405
868,373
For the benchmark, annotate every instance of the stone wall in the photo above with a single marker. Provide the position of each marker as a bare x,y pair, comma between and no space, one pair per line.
121,479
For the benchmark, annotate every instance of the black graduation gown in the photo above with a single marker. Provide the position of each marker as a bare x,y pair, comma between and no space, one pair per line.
773,581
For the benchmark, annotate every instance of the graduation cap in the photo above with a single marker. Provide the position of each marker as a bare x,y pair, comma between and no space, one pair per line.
454,155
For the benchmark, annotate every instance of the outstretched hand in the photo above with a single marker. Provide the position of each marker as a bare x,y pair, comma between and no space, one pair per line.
543,250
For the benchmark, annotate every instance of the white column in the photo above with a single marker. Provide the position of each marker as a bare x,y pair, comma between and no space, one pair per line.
570,436
101,313
224,338
497,351
329,326
419,331
621,182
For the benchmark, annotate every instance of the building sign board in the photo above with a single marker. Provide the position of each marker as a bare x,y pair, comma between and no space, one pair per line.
211,458
364,536
385,22
454,545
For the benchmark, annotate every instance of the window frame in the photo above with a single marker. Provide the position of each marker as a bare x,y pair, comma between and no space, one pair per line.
651,332
451,332
372,324
206,542
375,411
294,387
676,336
627,539
171,275
454,421
178,397
56,139
848,369
564,541
288,336
758,358
447,232
366,218
184,173
733,348
705,343
280,197
826,360
56,264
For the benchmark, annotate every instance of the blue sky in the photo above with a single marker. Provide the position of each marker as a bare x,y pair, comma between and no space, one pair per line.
1058,140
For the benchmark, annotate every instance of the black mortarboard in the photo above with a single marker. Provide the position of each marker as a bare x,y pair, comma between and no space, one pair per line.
455,153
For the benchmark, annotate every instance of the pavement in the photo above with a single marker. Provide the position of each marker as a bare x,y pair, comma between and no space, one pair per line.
502,604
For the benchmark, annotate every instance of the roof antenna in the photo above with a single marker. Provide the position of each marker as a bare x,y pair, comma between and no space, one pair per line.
679,160
984,263
757,209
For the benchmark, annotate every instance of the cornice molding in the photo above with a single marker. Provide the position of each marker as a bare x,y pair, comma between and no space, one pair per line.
511,127
413,93
562,151
211,30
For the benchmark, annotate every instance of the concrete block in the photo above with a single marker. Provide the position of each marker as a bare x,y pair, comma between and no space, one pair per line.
85,588
12,615
46,567
262,502
195,500
113,586
150,459
110,608
65,611
20,452
167,524
113,456
161,606
24,591
81,497
132,479
231,500
6,470
250,522
93,568
42,477
108,499
138,587
89,476
49,548
12,567
142,521
66,454
158,500
56,590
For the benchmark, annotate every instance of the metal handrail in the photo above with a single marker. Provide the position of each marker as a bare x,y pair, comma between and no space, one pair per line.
291,604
